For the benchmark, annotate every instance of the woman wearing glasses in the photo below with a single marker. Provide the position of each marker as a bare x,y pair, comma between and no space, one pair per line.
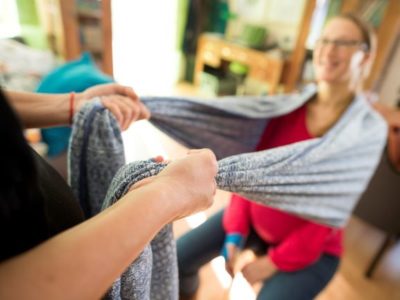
296,258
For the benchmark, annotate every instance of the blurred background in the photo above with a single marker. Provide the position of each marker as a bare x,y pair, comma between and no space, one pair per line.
208,48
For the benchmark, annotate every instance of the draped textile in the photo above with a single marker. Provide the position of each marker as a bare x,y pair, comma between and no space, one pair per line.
319,179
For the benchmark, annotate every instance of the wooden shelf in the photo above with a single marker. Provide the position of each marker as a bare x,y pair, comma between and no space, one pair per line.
97,15
71,29
213,50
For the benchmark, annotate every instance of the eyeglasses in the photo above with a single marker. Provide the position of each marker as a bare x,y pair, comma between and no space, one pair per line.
341,44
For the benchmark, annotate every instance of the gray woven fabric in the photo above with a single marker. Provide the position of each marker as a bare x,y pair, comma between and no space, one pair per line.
95,155
319,179
228,125
153,275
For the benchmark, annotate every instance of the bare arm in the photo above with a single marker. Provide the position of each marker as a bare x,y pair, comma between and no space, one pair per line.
82,262
40,110
44,110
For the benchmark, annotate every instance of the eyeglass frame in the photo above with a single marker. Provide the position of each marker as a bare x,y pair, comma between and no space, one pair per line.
338,43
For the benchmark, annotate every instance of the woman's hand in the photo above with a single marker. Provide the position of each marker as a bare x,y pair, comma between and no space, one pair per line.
232,254
121,100
189,182
259,270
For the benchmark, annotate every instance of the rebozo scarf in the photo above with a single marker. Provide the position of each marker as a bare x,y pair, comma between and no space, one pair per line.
319,179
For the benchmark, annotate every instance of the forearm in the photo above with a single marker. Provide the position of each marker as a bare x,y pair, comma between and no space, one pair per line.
82,263
41,110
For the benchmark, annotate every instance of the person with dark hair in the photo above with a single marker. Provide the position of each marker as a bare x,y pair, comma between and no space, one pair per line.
295,258
48,251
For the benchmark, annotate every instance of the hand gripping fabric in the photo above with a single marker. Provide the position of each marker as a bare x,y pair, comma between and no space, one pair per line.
95,155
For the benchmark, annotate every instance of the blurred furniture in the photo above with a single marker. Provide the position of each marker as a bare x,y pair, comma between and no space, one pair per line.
76,26
213,49
380,206
22,67
386,33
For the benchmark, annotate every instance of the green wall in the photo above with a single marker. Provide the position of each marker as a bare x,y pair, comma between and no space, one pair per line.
31,29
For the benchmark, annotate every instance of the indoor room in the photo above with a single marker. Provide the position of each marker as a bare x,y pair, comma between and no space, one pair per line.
299,102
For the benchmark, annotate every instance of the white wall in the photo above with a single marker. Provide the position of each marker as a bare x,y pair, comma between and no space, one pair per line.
144,44
9,23
280,17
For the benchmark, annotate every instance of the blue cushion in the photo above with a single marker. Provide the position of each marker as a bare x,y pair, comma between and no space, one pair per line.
74,76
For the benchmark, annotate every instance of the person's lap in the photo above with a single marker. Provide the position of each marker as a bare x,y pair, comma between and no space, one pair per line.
196,248
300,285
202,244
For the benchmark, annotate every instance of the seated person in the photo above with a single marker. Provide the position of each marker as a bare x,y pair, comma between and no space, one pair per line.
296,257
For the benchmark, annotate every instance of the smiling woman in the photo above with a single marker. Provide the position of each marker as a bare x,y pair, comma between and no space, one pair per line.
342,59
344,52
296,257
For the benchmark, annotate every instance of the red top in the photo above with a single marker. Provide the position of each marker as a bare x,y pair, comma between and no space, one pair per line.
296,242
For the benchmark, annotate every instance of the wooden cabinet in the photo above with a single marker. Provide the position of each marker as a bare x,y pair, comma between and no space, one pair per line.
273,71
212,50
76,26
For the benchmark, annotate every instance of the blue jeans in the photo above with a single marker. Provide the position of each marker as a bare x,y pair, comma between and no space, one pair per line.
202,244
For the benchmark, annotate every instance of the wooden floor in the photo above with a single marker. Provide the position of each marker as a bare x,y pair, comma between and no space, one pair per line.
361,243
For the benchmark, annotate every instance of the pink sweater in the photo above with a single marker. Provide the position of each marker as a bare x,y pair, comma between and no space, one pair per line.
296,242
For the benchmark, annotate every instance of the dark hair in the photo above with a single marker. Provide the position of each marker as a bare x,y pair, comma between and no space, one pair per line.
21,211
367,32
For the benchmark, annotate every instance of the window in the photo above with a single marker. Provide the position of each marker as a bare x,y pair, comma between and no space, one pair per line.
9,21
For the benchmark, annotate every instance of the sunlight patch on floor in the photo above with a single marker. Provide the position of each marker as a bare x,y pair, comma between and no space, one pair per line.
218,266
238,288
141,142
241,289
196,220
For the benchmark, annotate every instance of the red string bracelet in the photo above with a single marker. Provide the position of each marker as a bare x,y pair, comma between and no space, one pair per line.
71,107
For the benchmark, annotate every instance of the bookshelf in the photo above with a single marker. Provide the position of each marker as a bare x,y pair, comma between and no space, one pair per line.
73,27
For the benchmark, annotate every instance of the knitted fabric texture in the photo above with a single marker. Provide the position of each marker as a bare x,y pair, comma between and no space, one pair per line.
320,179
95,155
